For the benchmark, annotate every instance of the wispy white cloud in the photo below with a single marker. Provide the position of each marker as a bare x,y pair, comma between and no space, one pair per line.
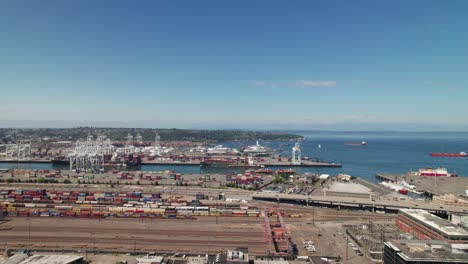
315,84
299,83
258,83
262,84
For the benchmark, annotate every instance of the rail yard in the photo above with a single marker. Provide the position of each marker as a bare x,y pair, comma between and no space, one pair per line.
264,227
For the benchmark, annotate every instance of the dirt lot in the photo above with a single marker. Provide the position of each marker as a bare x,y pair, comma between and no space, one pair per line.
132,235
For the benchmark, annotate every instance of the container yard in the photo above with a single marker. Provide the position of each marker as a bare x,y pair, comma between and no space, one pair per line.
128,221
43,203
160,220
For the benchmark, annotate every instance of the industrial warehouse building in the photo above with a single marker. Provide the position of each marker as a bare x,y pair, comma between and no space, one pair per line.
424,251
349,190
23,258
425,225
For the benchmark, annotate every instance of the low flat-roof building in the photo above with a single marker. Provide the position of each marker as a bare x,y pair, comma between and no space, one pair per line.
44,259
343,177
351,190
425,225
150,259
424,251
237,256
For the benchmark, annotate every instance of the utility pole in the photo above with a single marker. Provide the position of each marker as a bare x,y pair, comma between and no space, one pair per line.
347,248
313,215
29,233
94,243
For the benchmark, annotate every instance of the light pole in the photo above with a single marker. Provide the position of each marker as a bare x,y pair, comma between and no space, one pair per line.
29,233
347,248
94,243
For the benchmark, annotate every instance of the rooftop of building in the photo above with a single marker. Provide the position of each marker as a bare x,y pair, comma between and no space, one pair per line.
435,222
150,259
271,262
349,188
425,250
321,260
42,259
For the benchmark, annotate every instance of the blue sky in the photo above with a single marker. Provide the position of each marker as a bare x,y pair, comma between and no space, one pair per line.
227,64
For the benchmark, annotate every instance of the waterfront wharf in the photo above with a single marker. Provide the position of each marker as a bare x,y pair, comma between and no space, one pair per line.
267,163
431,185
304,163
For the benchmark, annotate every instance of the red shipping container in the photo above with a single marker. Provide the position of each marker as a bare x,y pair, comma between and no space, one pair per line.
23,213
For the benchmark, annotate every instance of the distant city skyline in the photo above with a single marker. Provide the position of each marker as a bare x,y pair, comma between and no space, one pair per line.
338,65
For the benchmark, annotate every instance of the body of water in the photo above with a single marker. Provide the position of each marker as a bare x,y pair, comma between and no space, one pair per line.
385,153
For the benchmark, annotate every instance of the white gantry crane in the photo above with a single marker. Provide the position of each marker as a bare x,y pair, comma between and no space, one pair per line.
139,139
89,155
129,140
21,151
296,154
157,139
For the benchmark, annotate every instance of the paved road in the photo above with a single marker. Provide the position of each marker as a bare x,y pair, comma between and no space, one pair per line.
364,202
375,187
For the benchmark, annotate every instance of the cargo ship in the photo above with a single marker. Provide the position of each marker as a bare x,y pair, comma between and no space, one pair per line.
215,163
133,161
264,171
431,172
362,143
60,160
243,165
450,155
286,172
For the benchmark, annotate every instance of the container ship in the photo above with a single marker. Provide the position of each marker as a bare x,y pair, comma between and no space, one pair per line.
286,172
264,171
215,163
133,160
450,155
431,172
60,160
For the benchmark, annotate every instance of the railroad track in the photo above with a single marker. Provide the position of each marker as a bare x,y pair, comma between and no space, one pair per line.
148,231
128,241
